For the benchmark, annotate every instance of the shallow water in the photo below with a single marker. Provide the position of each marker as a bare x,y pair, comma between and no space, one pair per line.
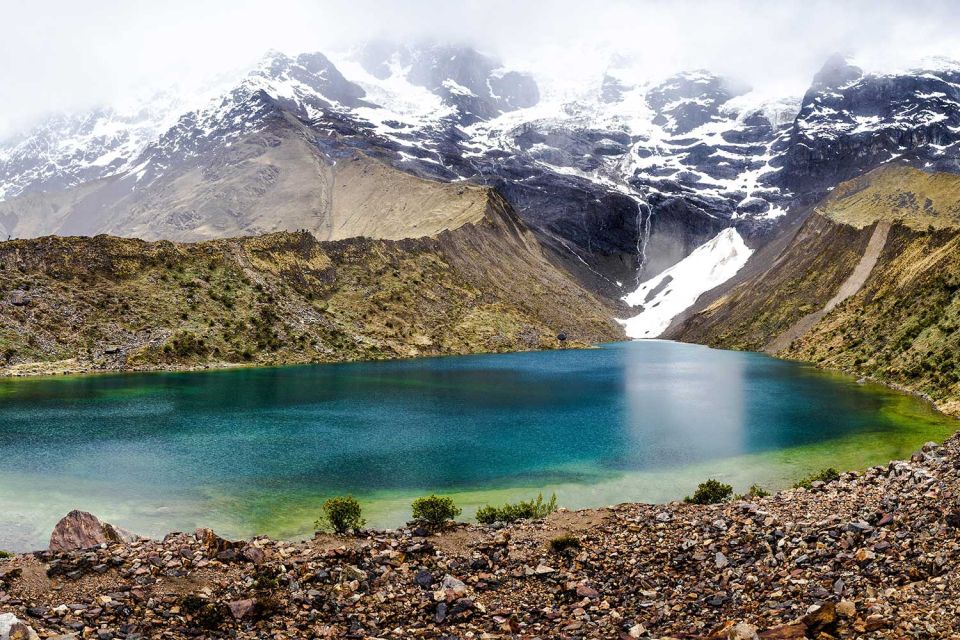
257,450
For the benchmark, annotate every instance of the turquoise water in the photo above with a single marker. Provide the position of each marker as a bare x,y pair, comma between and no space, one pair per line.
257,450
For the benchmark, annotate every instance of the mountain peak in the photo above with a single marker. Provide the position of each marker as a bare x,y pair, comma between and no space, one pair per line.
837,71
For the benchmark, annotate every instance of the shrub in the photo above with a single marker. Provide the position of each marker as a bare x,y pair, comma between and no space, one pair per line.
185,344
435,510
5,554
524,510
565,543
756,491
710,492
340,515
824,475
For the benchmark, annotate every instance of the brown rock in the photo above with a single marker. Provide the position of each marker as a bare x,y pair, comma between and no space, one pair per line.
584,591
253,554
82,530
214,544
241,608
822,619
846,609
742,631
795,631
21,631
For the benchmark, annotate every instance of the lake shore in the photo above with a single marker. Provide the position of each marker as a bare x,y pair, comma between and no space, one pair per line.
869,555
77,367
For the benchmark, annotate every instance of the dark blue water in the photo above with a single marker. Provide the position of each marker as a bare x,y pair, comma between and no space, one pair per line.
256,450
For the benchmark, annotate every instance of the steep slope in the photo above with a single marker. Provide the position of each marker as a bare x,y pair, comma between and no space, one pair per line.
72,304
870,284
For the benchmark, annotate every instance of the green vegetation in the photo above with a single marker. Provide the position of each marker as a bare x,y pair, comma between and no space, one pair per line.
340,515
824,475
710,492
435,510
524,510
756,491
107,303
5,554
565,544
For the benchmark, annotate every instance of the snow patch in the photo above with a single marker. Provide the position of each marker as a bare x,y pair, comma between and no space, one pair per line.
666,295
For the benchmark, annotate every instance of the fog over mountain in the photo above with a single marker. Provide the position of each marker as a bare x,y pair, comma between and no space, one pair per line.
63,55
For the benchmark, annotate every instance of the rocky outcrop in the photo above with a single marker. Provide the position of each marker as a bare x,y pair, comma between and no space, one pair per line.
82,530
851,122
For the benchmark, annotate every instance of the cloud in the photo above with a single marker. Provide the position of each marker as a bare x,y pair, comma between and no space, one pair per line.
63,54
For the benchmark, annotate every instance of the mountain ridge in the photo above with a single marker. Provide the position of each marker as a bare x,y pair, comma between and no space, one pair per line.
73,304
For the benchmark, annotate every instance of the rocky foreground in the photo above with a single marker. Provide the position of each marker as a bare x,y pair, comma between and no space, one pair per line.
872,555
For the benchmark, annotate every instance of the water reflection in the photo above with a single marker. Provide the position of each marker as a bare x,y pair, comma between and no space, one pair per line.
683,405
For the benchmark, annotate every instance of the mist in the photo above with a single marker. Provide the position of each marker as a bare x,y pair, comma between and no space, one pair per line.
62,55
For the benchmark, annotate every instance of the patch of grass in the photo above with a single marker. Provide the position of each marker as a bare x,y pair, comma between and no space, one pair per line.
755,491
710,492
524,510
5,554
565,544
824,475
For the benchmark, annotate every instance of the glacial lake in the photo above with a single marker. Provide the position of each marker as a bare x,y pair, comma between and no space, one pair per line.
256,451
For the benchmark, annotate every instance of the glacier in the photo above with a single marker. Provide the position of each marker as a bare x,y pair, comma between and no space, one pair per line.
665,296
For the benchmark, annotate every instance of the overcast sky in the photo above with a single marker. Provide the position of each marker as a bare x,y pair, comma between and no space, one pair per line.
65,54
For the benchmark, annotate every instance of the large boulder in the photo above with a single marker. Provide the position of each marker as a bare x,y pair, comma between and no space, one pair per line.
13,629
82,530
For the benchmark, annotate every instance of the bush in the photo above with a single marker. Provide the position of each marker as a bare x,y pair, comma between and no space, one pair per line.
435,510
528,510
340,515
824,475
185,344
756,491
710,492
565,543
5,554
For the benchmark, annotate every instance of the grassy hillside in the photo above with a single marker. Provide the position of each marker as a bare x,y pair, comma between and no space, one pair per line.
72,304
900,327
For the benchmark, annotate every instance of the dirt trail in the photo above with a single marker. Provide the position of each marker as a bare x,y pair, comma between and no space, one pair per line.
849,287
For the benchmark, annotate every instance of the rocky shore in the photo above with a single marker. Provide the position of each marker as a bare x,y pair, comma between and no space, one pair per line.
872,555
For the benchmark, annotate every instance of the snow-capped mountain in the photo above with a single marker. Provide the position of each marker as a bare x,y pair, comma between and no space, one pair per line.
620,178
69,149
850,122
